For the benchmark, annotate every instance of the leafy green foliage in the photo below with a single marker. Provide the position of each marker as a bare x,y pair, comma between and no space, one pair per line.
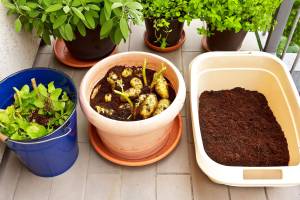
35,113
63,18
236,15
295,43
161,11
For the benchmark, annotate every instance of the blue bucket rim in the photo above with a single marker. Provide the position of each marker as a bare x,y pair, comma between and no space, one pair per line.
45,69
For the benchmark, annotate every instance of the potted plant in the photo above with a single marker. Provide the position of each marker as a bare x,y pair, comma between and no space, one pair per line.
138,121
229,21
90,28
38,119
164,22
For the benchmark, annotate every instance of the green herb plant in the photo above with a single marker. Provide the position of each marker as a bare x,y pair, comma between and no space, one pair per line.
35,113
162,11
62,18
236,15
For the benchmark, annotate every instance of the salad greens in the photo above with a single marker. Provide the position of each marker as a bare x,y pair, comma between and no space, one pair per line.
35,113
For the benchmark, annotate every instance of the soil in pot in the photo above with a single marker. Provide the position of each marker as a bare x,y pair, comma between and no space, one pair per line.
224,41
123,95
90,47
164,37
238,128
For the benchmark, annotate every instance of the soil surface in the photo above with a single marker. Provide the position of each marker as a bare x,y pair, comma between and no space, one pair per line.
238,128
123,114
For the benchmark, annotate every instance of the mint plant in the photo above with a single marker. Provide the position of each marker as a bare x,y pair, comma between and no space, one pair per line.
161,12
236,15
35,113
62,18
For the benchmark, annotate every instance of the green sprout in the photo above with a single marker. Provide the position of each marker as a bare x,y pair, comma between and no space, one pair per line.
123,94
144,72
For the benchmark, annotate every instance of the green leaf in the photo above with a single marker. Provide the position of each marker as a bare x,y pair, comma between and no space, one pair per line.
124,28
58,105
39,103
18,25
65,97
60,21
106,28
35,130
94,7
90,19
66,9
55,94
118,36
26,8
51,87
81,29
78,13
134,5
44,16
102,17
42,90
69,32
107,9
53,8
116,5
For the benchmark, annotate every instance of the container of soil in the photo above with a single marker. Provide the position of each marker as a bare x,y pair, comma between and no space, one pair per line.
133,99
164,39
253,94
38,119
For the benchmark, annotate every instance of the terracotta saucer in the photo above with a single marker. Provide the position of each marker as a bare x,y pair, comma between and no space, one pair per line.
63,55
172,142
167,49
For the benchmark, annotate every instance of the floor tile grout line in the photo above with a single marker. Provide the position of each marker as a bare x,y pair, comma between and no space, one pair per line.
18,181
266,193
229,194
174,173
192,189
51,189
87,174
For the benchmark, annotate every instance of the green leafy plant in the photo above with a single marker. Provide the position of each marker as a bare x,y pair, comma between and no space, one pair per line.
236,15
35,113
162,11
62,18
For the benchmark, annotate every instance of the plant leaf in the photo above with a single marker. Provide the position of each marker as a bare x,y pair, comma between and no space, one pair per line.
60,20
69,32
18,25
106,28
124,28
134,5
54,7
81,29
42,90
55,94
51,87
35,130
90,19
78,13
116,5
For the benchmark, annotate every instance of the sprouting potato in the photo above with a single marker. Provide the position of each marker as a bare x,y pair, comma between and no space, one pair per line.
105,111
162,105
112,79
107,97
161,87
127,72
149,106
136,83
95,91
125,106
131,93
140,100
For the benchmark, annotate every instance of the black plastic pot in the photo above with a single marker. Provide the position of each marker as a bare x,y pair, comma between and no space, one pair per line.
172,38
224,41
90,47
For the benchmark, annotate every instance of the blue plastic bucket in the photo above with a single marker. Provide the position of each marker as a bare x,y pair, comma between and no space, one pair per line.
55,153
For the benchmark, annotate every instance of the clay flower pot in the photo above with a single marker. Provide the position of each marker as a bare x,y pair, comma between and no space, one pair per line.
224,41
90,47
133,139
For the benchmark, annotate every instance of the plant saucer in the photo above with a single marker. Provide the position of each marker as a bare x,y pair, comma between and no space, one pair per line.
167,49
173,140
64,56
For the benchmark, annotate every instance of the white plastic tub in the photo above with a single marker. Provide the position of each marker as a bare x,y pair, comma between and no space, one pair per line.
253,71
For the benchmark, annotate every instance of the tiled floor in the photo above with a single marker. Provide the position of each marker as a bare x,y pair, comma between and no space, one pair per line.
176,178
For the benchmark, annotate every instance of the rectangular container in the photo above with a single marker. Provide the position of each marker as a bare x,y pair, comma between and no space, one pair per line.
266,74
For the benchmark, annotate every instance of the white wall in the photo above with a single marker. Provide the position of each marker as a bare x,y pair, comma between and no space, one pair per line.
17,50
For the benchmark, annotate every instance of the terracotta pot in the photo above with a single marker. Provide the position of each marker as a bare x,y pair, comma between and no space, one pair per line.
173,37
224,41
134,139
90,47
